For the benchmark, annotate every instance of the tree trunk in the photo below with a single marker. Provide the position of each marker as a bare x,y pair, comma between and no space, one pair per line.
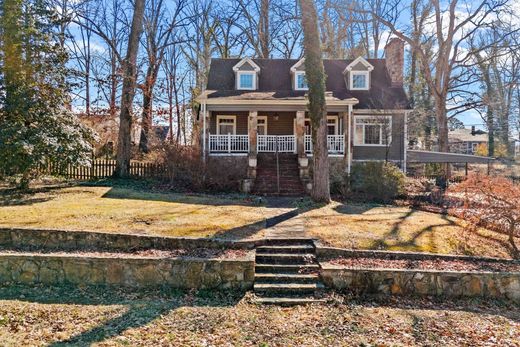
514,248
263,28
315,75
128,92
442,123
146,122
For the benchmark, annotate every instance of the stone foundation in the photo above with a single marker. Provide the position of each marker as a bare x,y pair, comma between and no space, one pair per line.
423,282
135,272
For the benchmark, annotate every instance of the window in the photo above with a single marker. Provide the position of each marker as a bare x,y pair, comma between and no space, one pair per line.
246,80
332,126
226,125
359,80
373,130
261,125
300,81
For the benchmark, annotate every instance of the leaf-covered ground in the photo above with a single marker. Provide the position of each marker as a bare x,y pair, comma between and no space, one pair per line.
126,209
395,228
65,316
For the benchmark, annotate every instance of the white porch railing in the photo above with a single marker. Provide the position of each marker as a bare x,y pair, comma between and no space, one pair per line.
335,144
268,143
228,143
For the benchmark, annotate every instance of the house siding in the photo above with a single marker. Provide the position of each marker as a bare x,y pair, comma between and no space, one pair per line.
241,121
395,150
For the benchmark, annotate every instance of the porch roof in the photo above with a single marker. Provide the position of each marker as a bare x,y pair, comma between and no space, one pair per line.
414,156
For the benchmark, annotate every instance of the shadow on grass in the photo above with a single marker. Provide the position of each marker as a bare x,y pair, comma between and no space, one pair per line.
142,307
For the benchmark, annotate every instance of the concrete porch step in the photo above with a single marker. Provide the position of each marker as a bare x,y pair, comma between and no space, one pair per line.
285,258
288,241
287,289
286,278
287,249
287,268
289,301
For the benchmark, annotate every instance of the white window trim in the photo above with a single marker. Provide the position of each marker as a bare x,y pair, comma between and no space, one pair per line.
296,74
336,124
362,143
259,117
367,79
240,73
234,118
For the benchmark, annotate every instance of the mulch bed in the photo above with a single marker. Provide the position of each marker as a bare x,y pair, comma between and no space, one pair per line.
427,264
148,253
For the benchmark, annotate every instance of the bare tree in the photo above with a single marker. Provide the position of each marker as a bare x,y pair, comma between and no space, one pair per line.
128,92
451,29
159,34
315,75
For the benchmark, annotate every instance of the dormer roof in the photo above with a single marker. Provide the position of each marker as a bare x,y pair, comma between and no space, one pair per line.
358,60
299,63
246,62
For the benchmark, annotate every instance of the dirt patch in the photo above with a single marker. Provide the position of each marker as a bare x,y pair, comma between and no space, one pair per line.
427,264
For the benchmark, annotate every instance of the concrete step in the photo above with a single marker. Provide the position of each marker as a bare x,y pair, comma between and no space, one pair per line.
286,241
287,268
281,301
281,258
286,289
286,278
287,249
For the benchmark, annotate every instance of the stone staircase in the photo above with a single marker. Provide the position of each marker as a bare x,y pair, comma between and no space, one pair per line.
286,272
266,178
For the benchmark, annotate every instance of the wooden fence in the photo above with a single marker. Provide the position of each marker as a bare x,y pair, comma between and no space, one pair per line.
104,169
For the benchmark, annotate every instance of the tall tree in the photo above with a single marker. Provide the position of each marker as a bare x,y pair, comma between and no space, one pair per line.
36,122
451,29
315,74
159,34
130,71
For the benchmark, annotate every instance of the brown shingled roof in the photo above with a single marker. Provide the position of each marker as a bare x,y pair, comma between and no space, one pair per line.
274,82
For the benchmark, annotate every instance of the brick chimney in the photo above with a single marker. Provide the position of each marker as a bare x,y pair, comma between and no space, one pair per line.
394,54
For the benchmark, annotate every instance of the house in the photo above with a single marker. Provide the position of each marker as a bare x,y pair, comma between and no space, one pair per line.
466,141
254,108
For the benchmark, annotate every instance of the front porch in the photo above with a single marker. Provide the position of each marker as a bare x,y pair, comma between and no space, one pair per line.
241,144
253,132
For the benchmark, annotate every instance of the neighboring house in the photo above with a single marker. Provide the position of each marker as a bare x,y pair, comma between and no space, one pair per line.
466,141
256,107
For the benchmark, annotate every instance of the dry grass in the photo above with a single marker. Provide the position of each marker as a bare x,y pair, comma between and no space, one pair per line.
365,226
127,210
56,316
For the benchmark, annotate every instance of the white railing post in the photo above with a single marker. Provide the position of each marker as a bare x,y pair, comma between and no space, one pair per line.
229,142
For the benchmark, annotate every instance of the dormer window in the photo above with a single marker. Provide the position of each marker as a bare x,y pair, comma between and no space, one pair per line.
357,74
246,74
359,80
246,80
300,81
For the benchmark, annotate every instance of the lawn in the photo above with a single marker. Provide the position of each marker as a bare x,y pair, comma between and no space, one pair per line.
366,226
65,316
130,210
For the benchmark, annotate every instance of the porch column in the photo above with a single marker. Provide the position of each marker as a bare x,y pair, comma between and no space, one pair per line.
345,126
303,161
253,132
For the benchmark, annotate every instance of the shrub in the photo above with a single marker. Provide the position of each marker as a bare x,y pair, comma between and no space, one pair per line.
377,181
186,169
492,202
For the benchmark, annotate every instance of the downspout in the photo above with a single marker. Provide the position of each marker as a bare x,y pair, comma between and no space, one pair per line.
204,130
405,141
349,151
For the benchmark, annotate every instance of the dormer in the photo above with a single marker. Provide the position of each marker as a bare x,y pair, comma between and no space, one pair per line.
357,74
246,74
299,81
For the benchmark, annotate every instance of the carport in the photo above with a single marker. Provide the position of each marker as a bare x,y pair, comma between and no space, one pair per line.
425,157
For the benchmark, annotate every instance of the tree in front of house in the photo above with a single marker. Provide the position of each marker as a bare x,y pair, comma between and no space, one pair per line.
500,150
37,124
493,202
315,74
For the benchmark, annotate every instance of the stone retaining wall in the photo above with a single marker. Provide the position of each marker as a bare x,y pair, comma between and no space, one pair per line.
423,282
328,253
86,240
137,272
